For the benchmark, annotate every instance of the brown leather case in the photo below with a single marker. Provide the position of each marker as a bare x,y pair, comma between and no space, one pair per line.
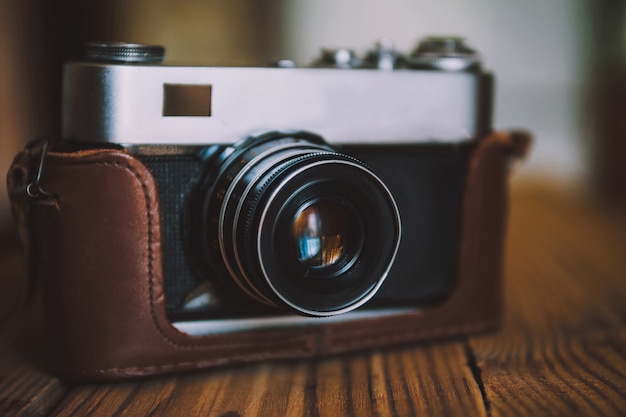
97,248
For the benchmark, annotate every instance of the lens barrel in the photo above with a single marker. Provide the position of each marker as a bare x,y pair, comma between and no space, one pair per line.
299,225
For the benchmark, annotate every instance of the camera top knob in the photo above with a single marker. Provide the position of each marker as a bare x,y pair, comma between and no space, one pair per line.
337,58
383,56
444,53
124,52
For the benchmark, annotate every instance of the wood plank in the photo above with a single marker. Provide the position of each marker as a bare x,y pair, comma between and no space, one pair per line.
430,378
562,349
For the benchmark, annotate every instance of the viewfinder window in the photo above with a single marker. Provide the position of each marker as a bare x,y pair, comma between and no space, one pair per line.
186,100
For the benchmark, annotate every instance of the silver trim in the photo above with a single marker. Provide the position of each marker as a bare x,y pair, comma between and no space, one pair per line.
382,278
221,326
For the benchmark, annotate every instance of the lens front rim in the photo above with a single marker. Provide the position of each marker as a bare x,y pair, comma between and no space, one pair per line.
270,215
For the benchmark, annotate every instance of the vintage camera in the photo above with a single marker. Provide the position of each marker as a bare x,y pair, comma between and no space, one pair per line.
267,204
308,216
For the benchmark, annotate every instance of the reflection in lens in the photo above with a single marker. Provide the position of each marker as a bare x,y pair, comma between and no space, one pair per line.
320,233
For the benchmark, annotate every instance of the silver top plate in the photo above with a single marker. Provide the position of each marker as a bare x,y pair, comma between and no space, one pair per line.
129,104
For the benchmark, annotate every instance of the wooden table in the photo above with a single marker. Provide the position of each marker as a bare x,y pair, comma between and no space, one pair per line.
561,350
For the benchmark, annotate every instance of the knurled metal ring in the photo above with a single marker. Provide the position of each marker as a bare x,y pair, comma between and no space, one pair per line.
124,52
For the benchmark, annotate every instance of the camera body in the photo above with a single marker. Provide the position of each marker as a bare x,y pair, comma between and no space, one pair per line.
414,127
220,207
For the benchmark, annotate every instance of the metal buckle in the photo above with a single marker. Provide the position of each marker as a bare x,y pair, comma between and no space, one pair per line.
33,190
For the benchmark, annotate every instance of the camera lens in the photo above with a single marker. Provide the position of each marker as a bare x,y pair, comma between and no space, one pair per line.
294,223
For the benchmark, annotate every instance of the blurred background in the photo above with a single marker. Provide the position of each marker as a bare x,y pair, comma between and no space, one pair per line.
559,63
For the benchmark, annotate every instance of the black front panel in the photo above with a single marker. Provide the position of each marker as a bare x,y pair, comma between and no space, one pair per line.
427,183
176,176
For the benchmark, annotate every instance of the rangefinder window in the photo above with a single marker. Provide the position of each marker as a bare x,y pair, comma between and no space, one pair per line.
186,100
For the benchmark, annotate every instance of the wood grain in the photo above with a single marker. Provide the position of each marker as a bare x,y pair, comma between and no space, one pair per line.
562,350
434,378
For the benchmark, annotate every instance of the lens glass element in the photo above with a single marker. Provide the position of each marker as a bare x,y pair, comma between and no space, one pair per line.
321,232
